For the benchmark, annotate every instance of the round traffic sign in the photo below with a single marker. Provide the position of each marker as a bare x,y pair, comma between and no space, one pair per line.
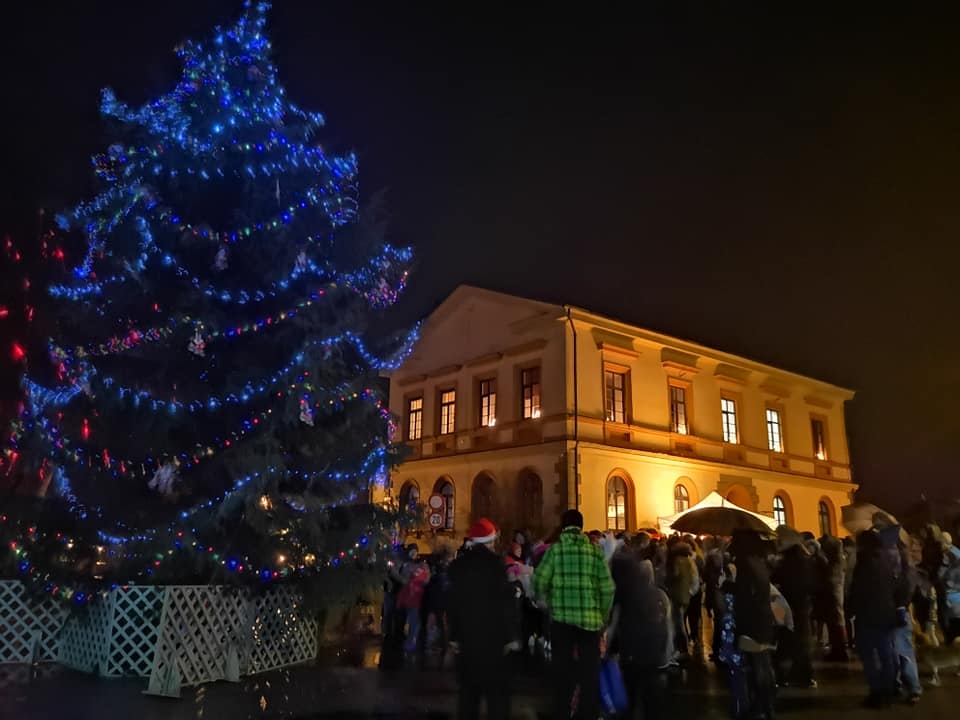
436,502
436,520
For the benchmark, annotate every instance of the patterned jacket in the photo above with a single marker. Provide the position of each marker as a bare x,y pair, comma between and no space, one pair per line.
575,581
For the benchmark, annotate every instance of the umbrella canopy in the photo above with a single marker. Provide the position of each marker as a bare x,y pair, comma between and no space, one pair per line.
720,521
714,499
863,516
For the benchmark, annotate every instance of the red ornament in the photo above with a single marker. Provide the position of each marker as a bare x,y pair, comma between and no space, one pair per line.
17,353
85,430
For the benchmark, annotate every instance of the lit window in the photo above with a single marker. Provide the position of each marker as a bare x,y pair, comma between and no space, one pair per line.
530,392
415,418
448,408
779,510
826,518
818,430
728,413
774,432
681,499
488,403
409,496
444,489
678,410
616,503
615,384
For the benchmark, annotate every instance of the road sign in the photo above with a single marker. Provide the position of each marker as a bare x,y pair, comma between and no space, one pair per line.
437,502
436,520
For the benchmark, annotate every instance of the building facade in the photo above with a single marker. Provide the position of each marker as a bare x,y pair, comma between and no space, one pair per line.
516,409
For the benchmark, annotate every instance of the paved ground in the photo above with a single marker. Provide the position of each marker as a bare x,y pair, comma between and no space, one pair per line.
312,692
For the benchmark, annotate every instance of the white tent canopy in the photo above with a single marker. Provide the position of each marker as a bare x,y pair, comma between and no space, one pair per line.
714,499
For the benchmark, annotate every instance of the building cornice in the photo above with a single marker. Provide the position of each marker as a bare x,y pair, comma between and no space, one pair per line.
662,341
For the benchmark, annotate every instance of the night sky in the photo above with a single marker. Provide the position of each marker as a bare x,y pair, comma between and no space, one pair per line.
779,186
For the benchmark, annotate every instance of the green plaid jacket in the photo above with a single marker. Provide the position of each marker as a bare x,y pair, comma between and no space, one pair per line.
574,579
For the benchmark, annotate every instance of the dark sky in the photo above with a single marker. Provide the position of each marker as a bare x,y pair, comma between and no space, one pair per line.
779,186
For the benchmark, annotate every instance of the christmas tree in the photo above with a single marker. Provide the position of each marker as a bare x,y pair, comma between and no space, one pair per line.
211,408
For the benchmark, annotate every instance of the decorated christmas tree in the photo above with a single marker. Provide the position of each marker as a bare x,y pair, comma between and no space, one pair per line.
210,410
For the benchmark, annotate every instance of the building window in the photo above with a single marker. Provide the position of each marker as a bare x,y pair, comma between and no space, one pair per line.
616,503
681,499
728,415
530,499
414,418
779,510
826,518
819,431
774,431
530,392
409,496
616,383
488,403
678,410
448,411
444,488
483,498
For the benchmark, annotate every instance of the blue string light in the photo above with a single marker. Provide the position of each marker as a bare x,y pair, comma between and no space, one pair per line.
227,117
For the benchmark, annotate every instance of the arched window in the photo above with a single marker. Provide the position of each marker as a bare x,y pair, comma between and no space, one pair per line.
444,488
483,498
779,510
616,503
530,501
409,496
681,499
825,514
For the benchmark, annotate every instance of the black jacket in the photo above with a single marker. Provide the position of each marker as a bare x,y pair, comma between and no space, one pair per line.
482,608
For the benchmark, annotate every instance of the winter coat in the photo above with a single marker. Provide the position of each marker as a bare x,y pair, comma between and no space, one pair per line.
950,579
683,578
872,601
753,615
830,582
410,596
644,631
482,609
796,579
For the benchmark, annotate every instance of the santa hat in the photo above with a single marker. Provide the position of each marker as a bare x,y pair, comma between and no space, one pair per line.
482,532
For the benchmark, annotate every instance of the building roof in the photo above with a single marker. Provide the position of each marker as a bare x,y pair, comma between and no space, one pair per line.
464,292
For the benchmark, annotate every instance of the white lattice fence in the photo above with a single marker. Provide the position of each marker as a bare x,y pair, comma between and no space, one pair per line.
202,626
85,638
199,625
116,637
282,633
133,634
28,627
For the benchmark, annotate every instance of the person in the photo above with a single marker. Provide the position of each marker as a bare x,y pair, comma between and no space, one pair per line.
410,598
641,633
753,623
574,580
796,578
484,625
874,609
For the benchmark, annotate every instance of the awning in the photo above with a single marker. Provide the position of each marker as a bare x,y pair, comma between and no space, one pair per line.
714,499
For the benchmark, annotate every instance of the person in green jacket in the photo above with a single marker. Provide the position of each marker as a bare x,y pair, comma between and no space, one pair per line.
574,580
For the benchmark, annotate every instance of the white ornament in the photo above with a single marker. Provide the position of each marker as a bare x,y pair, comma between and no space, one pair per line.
301,261
197,344
164,479
306,413
220,260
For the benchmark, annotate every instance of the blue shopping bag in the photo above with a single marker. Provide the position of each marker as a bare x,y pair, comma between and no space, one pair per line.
613,693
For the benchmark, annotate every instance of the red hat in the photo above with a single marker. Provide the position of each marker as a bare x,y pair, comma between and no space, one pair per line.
482,531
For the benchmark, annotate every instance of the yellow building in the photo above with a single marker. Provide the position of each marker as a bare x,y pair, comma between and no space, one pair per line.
516,409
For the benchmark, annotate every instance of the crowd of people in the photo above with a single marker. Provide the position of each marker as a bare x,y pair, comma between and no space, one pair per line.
561,605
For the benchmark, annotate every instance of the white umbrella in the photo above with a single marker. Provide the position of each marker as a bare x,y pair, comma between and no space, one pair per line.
863,516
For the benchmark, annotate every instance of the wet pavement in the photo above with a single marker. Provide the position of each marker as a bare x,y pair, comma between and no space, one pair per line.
313,692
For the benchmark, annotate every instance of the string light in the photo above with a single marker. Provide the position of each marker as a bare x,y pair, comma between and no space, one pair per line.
227,118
